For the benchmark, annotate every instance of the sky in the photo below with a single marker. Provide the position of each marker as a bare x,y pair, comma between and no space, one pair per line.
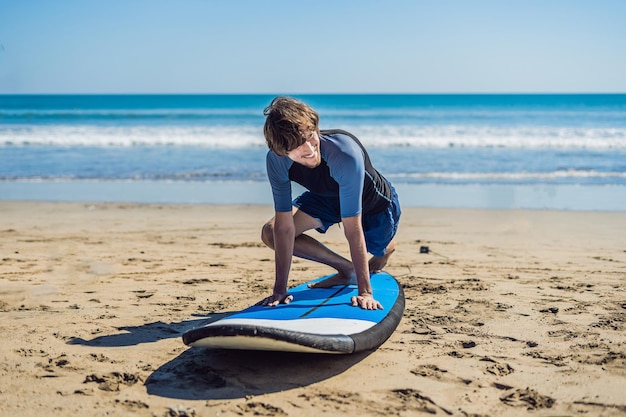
307,47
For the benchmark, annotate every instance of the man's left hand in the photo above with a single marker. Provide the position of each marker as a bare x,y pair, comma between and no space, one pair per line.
366,302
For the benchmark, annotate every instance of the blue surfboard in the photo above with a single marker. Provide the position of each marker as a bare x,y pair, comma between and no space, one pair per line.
320,320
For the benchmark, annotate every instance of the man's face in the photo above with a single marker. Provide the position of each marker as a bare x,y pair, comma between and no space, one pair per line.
307,154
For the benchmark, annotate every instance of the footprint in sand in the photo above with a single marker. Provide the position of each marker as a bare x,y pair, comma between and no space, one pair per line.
528,398
113,380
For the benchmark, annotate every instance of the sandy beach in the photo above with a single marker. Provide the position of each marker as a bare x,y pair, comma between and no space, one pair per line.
510,313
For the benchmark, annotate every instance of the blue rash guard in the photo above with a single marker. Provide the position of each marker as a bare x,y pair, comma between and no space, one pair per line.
345,174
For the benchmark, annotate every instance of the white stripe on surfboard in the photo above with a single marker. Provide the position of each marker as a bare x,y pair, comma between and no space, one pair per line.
322,326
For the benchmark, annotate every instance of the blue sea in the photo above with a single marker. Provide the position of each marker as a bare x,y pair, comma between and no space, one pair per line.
475,151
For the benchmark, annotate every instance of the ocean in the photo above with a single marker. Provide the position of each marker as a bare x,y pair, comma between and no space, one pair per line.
536,151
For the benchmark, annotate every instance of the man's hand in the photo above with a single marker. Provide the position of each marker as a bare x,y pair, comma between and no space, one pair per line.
275,299
366,302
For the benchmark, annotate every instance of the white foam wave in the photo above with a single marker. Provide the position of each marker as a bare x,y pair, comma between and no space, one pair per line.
229,136
492,136
509,176
86,135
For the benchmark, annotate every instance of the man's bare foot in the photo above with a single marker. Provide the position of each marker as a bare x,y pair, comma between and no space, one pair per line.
337,279
377,263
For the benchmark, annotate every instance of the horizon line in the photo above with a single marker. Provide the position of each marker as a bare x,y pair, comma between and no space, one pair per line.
311,93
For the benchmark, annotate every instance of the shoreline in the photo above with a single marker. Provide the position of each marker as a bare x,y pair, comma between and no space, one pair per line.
605,198
511,312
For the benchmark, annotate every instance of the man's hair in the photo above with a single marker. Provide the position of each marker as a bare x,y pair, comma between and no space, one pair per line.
287,121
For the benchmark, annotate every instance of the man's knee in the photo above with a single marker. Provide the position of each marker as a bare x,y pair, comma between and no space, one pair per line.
267,234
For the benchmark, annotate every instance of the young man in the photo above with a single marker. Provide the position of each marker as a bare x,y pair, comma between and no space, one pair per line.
342,185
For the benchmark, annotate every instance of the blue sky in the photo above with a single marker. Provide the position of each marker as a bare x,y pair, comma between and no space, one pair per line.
322,46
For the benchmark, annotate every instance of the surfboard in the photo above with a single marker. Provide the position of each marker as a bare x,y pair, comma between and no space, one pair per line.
318,320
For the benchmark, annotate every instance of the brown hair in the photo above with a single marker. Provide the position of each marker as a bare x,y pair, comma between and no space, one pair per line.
287,121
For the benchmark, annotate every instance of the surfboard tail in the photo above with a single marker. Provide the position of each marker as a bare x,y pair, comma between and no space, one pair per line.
377,335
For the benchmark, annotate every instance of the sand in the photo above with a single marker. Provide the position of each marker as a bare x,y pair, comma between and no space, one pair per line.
510,312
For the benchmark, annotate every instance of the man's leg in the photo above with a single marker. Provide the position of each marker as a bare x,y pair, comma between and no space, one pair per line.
309,248
377,263
381,231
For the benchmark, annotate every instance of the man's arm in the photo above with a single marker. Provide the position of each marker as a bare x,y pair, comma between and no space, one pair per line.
358,252
284,236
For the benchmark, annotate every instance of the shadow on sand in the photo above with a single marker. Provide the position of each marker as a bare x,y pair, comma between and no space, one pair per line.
207,374
147,333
